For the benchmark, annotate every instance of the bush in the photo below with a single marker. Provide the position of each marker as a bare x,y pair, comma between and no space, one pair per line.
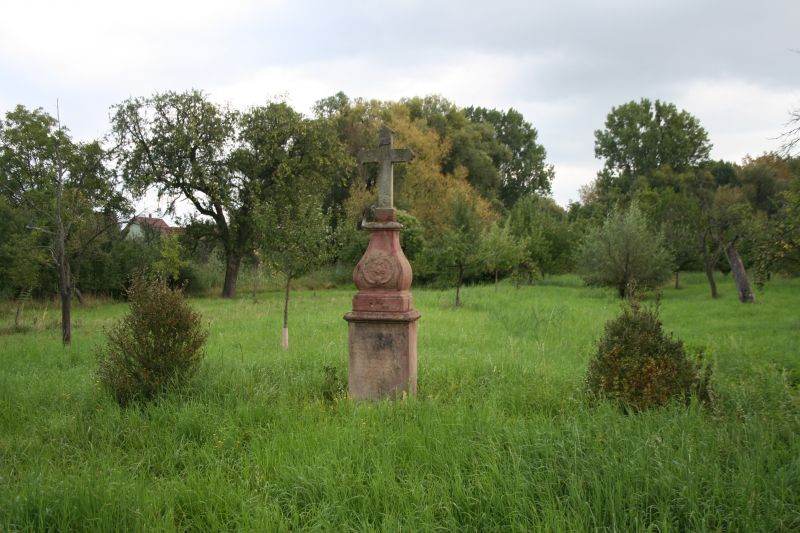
638,366
624,252
158,345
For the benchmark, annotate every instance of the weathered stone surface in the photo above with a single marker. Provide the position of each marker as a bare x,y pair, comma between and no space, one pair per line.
383,323
385,155
383,356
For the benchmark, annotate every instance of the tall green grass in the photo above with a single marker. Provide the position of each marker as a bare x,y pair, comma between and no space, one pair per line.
500,437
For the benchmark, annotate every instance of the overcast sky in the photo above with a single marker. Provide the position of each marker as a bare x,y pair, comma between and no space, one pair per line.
733,64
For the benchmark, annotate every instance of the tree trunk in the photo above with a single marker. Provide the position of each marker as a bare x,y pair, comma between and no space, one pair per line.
458,285
285,332
232,263
59,252
622,289
711,282
495,280
739,274
677,279
18,316
65,293
708,264
66,319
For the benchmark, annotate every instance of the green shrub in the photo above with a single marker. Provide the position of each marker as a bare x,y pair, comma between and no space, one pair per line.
158,345
639,366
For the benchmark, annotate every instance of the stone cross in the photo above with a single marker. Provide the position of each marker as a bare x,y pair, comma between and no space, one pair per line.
385,156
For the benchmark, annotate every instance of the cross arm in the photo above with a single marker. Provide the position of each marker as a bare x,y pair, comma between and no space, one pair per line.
398,155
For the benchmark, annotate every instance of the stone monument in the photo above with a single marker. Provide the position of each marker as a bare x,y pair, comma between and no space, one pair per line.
383,323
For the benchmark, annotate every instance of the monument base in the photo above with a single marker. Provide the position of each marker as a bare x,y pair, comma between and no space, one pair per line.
383,354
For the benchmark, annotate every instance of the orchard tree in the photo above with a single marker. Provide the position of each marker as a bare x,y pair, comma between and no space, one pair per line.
225,163
455,252
728,223
298,237
624,253
677,215
179,144
500,250
543,227
763,179
62,190
779,245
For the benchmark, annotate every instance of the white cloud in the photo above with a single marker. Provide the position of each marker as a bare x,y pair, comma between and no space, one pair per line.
106,42
741,117
570,178
469,79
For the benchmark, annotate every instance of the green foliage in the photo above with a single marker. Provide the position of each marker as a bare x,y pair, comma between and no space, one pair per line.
545,231
227,164
500,251
32,149
170,262
455,253
763,180
778,239
523,168
624,252
412,240
640,367
640,137
297,233
677,215
157,346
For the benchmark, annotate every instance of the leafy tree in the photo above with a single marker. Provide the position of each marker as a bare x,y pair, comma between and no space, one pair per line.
677,215
224,163
455,252
543,227
298,237
179,144
623,253
763,179
62,190
500,250
729,222
170,260
779,243
523,168
640,137
22,256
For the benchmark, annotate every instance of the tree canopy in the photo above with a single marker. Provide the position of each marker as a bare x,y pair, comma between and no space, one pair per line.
640,137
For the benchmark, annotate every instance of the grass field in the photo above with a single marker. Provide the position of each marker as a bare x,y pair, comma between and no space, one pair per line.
500,438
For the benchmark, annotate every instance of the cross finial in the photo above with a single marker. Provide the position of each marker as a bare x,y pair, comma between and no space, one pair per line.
385,155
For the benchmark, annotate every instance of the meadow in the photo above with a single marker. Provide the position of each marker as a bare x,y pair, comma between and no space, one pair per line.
501,437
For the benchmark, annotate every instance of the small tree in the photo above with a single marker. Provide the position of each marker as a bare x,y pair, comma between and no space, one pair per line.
455,252
622,252
60,189
170,261
500,251
297,240
158,345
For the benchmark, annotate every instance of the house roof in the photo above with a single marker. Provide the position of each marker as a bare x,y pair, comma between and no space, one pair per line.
155,223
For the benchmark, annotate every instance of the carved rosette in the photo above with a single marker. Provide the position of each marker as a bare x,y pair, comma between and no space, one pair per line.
379,270
383,275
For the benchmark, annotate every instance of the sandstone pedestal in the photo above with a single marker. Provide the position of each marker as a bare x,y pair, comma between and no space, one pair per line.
383,322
